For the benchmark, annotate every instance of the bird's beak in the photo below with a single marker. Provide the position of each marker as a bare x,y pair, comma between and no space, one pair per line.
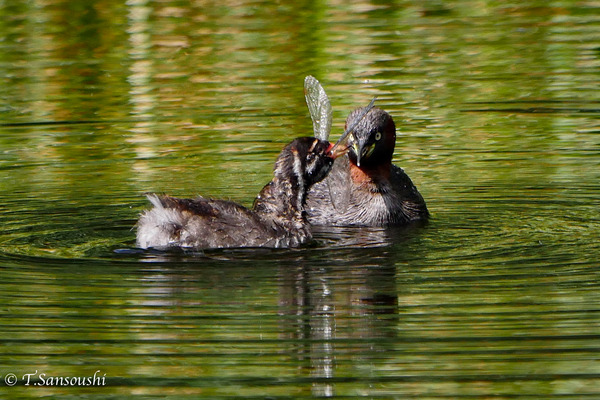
337,150
358,151
341,146
362,150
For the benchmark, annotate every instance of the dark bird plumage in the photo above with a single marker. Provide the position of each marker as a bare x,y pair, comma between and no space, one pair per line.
364,187
277,218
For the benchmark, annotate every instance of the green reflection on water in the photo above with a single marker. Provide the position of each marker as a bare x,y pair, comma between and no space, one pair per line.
497,111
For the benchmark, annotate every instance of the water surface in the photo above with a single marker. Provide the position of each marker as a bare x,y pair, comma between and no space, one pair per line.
497,111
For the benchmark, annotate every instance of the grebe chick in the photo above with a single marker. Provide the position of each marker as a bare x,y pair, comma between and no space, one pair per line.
277,218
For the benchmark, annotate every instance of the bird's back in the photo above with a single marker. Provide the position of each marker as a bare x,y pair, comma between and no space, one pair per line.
202,223
384,200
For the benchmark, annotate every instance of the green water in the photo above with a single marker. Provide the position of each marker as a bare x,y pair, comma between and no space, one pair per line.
498,117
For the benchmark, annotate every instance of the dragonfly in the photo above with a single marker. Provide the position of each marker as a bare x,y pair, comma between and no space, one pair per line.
319,107
321,113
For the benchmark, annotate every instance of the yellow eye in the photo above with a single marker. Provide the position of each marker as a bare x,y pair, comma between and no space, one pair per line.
377,135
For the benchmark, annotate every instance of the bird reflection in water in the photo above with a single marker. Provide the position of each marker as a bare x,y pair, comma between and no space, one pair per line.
325,308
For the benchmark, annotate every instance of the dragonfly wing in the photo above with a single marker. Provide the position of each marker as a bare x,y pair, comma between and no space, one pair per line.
319,107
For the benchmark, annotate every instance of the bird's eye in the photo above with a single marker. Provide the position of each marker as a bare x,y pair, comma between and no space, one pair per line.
377,135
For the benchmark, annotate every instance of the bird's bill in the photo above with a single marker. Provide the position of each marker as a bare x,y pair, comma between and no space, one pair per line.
337,150
343,140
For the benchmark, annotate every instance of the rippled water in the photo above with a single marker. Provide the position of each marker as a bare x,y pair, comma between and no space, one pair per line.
498,114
